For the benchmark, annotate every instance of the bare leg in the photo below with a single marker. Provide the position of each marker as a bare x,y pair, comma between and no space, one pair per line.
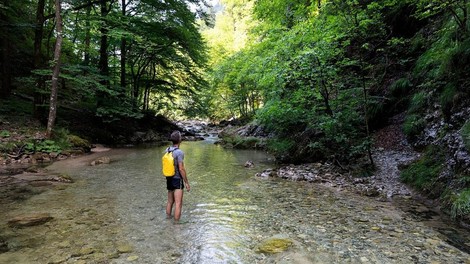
169,203
178,199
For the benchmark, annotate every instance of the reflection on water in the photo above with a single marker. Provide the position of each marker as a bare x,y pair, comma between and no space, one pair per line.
116,213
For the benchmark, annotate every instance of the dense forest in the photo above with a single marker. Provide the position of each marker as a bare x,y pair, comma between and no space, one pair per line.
319,76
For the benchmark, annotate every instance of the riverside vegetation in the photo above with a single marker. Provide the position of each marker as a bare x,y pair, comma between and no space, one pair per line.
321,78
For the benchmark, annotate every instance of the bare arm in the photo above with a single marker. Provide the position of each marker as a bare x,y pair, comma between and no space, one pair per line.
182,171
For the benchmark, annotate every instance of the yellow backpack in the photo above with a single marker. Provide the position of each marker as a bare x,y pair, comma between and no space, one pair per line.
168,164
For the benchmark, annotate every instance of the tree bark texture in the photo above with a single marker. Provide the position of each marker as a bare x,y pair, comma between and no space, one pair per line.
40,82
55,72
5,89
123,52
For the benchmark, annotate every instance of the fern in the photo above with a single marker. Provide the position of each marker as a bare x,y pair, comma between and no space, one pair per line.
461,204
418,102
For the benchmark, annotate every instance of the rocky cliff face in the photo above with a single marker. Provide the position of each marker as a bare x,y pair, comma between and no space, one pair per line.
443,171
446,133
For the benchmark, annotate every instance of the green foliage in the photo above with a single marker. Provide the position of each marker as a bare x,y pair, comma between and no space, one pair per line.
418,102
447,96
461,204
15,106
8,147
465,132
281,147
413,125
61,138
4,134
77,142
423,173
400,87
239,142
46,146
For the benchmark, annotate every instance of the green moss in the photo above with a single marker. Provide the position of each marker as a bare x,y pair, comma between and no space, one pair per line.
78,142
465,132
422,173
461,204
274,245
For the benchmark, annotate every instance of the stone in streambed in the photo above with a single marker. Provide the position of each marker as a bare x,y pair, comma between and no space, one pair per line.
133,258
30,220
274,245
102,160
124,248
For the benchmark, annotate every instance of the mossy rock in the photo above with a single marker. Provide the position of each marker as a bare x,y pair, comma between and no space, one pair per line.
274,245
78,142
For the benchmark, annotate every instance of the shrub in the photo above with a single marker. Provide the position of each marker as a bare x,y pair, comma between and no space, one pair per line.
418,102
7,147
46,146
61,138
413,125
422,173
447,96
240,142
281,148
461,204
400,87
4,134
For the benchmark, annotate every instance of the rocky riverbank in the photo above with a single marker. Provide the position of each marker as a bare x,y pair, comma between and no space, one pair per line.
384,183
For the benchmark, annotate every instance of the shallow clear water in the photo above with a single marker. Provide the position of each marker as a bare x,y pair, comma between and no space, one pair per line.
115,213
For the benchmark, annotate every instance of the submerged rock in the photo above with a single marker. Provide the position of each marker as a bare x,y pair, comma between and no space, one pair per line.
101,160
3,246
274,245
30,220
249,164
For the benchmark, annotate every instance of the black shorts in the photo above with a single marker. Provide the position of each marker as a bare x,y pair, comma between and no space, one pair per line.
173,183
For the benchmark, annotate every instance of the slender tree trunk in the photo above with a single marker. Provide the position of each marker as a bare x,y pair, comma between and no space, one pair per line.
123,51
5,89
366,116
56,71
324,89
87,36
40,82
103,61
104,58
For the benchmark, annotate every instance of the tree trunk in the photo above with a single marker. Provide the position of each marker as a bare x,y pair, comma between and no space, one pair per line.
55,72
5,89
104,58
103,61
40,82
366,116
123,52
87,36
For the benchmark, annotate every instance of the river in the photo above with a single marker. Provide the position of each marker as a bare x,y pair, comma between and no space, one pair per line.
115,213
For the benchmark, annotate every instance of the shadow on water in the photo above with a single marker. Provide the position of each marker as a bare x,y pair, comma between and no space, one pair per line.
452,232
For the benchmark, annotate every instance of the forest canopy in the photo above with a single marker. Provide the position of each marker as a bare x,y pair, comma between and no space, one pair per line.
318,75
118,57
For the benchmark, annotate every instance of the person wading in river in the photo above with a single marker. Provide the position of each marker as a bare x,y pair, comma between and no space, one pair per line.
176,183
